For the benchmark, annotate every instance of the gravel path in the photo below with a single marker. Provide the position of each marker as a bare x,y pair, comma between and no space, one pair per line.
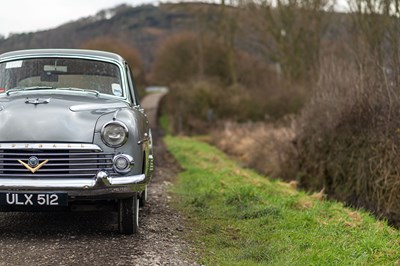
77,238
150,103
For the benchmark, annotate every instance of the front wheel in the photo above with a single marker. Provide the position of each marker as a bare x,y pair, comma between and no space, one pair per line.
128,215
143,197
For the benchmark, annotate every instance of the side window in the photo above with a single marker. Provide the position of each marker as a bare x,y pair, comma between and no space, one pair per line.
132,87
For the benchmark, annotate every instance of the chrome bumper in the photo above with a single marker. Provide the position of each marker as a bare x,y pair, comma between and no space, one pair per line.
101,184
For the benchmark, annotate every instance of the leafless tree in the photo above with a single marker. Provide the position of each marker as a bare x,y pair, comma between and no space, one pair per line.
294,31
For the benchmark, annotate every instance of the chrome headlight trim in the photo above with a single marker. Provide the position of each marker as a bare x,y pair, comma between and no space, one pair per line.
123,140
129,160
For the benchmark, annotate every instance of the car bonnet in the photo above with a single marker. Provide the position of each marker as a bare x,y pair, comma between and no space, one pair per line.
52,117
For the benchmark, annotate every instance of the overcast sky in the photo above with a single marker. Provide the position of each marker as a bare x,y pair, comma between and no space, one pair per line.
18,16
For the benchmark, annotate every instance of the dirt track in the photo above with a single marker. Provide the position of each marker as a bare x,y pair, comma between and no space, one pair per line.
150,104
93,239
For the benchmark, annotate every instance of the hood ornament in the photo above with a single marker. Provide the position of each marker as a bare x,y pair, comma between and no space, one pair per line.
37,101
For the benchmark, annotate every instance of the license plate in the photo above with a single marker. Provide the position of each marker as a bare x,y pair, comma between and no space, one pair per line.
33,199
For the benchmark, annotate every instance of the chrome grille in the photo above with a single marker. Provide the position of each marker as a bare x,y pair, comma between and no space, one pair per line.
62,162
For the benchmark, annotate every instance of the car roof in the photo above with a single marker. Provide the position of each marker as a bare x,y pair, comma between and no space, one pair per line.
61,53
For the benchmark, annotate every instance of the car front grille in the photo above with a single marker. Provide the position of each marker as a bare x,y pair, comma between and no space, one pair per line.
64,160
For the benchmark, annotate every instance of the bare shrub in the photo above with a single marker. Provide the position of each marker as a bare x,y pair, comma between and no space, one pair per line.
268,89
195,107
187,56
347,138
200,92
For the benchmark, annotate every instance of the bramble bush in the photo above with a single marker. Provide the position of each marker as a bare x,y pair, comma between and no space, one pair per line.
347,138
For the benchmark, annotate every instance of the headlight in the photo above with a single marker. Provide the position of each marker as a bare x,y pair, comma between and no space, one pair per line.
114,134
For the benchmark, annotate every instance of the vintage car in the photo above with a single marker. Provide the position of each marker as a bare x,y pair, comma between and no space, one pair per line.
72,134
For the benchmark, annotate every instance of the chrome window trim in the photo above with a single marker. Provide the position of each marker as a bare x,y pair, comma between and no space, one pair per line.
120,65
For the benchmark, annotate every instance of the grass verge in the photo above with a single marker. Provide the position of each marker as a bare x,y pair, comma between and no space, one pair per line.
165,124
242,218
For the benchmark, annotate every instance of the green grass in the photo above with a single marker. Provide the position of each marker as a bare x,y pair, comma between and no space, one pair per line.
242,218
165,124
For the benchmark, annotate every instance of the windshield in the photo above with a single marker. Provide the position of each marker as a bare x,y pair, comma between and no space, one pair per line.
61,73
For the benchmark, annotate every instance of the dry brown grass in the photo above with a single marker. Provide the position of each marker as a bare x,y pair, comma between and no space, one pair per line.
261,146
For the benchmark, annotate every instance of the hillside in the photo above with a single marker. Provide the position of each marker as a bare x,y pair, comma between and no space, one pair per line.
146,26
143,27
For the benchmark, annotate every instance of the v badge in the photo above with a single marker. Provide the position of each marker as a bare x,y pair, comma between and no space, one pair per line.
33,169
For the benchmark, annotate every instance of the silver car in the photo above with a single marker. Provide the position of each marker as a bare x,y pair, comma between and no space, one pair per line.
72,134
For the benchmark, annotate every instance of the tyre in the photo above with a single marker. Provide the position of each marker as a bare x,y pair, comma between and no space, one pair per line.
143,198
128,215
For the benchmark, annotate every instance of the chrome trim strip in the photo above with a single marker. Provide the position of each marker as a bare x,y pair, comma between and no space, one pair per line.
64,159
63,164
104,106
46,183
56,154
64,183
127,180
51,170
53,176
49,146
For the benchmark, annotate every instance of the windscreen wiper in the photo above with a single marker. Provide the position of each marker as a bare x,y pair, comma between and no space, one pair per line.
79,89
28,89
